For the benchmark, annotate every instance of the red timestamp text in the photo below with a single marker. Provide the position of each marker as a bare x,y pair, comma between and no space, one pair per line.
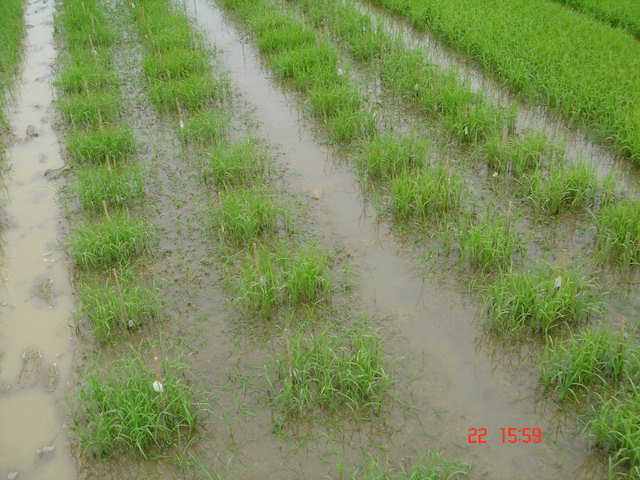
507,435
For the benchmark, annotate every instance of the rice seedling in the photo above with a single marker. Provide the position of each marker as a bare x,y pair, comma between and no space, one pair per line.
307,65
176,63
241,163
328,372
584,362
618,232
276,32
80,78
305,276
490,244
518,156
541,300
191,92
514,41
205,127
347,126
430,466
117,186
83,23
433,192
98,108
242,216
11,31
111,243
94,146
616,428
390,155
120,409
118,305
327,102
474,122
575,188
258,283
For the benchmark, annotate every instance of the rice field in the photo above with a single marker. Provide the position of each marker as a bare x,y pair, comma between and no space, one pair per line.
259,325
11,32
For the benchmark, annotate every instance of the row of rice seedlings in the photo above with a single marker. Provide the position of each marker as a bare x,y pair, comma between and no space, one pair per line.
11,33
119,411
541,300
267,279
618,232
388,156
466,115
430,466
514,42
586,362
328,371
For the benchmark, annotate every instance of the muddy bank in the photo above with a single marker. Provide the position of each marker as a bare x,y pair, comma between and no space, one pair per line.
36,300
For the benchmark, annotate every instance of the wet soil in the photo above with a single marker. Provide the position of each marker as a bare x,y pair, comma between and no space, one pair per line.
35,297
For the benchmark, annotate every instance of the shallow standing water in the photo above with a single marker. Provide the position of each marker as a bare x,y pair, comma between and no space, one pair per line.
456,386
35,297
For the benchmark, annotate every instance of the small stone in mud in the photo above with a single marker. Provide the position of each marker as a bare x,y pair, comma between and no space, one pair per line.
46,452
316,194
44,289
31,132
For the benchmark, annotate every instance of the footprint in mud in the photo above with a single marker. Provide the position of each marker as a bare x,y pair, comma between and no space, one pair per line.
50,378
31,133
43,289
31,361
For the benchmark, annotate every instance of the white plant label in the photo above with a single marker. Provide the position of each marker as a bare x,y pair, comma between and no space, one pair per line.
558,282
158,387
181,124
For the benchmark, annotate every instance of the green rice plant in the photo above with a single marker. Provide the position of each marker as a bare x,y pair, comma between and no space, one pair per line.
118,409
435,191
618,232
176,63
93,146
245,215
307,65
98,58
276,32
296,277
541,300
616,428
575,188
583,362
113,309
430,466
11,33
193,92
390,155
205,126
100,108
81,21
518,156
474,122
490,244
241,163
347,126
117,186
327,102
73,78
328,372
110,243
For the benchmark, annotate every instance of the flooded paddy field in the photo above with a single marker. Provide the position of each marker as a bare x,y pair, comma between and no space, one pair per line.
278,249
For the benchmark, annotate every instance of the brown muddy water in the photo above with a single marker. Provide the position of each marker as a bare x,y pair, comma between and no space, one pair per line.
35,298
453,384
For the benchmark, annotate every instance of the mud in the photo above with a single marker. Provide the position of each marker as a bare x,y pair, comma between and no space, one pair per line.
35,295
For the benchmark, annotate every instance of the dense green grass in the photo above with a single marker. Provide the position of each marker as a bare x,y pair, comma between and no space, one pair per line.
111,243
584,362
524,154
82,78
329,372
572,63
617,13
93,146
388,156
205,127
491,243
117,410
81,110
618,232
519,302
287,276
11,32
113,311
118,186
574,188
434,192
616,428
193,92
242,163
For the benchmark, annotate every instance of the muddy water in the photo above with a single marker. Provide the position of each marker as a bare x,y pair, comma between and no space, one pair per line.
35,297
454,385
